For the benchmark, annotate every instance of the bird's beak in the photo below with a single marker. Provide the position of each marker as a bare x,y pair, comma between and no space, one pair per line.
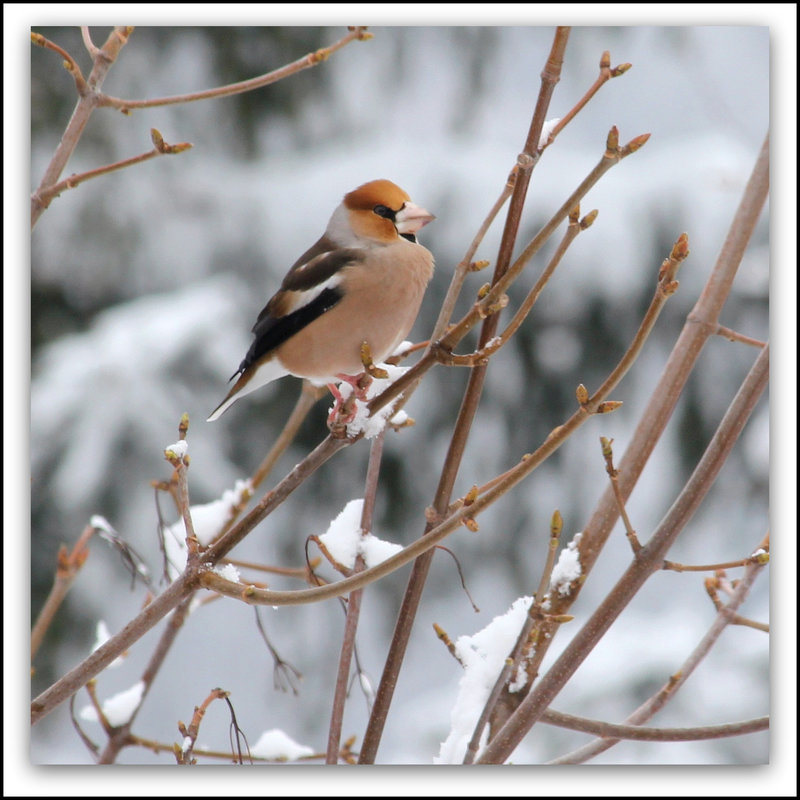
410,218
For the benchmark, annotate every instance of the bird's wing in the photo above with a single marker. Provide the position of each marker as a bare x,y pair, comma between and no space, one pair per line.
310,288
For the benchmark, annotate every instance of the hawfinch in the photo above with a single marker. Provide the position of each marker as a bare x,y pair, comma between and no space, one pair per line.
362,281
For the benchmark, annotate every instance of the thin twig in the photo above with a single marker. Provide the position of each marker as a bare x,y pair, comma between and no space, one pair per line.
183,754
68,566
353,605
482,355
635,733
606,73
291,572
70,64
87,102
309,395
464,267
720,581
674,566
734,336
357,33
608,455
181,464
90,97
47,194
88,43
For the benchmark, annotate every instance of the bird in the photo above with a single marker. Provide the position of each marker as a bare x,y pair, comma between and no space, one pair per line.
356,291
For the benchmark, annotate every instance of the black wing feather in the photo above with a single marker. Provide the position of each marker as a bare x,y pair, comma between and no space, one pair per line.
270,332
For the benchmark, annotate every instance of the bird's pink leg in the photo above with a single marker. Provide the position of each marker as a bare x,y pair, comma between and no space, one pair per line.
360,384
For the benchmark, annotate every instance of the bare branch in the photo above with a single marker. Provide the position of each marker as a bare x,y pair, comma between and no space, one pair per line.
647,560
608,729
357,33
648,709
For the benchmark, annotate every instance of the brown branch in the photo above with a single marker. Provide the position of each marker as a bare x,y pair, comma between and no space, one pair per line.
68,566
90,97
681,361
47,194
357,32
87,102
482,355
353,606
733,336
720,581
292,572
465,266
345,754
613,474
606,73
183,754
647,561
612,156
272,499
608,729
70,64
309,395
674,566
90,46
648,709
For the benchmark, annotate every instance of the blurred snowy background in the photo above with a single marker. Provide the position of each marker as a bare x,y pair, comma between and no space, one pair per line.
145,284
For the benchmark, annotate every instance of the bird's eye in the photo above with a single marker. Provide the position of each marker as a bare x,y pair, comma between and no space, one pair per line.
384,211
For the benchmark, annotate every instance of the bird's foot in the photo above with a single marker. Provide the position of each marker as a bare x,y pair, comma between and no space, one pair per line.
344,409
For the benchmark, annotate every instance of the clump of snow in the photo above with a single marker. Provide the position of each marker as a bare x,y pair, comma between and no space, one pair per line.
374,424
547,129
567,569
118,708
103,528
102,635
101,523
276,745
229,572
180,448
483,655
399,419
344,539
366,687
208,519
377,550
401,348
520,679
